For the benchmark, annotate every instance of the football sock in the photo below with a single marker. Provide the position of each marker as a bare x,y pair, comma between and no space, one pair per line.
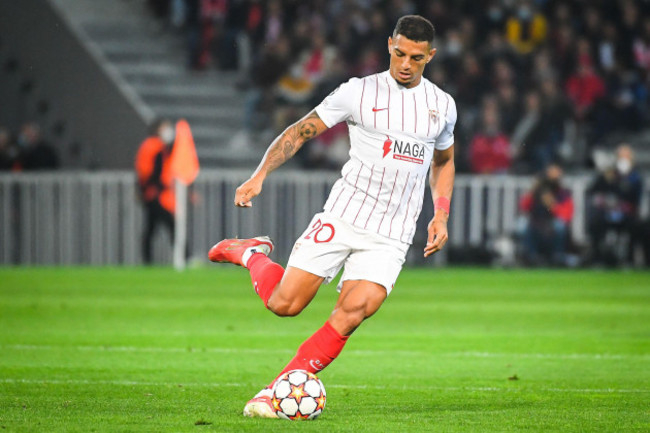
317,352
265,275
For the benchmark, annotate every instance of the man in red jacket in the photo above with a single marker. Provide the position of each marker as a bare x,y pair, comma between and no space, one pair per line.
549,210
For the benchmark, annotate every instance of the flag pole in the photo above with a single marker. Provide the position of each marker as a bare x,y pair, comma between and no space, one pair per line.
180,231
185,166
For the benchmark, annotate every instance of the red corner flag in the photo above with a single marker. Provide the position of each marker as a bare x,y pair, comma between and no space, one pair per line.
184,162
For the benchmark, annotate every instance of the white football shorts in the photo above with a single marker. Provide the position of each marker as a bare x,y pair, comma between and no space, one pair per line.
329,244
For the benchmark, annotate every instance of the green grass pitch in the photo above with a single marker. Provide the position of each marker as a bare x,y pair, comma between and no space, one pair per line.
471,350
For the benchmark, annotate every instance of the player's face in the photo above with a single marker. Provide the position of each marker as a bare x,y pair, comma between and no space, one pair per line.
408,59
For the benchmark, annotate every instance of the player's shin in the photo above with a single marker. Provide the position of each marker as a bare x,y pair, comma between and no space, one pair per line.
318,351
265,275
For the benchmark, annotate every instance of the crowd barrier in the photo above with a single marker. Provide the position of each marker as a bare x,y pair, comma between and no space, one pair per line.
94,218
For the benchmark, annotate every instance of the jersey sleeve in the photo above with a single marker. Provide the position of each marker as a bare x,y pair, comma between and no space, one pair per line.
446,137
338,105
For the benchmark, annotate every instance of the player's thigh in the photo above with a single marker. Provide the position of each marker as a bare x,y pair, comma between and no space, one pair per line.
295,291
378,260
358,300
323,247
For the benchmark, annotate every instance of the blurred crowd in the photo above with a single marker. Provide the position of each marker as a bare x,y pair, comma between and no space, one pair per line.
617,232
535,81
26,150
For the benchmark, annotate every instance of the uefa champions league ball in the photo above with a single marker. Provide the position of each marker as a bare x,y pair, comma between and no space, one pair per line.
298,394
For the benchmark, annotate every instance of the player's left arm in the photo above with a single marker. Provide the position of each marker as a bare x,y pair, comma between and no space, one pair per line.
441,180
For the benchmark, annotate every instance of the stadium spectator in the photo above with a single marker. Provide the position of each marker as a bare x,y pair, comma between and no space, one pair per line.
35,152
556,112
526,29
642,46
614,199
155,183
509,108
528,137
206,20
548,211
8,150
584,87
489,150
268,67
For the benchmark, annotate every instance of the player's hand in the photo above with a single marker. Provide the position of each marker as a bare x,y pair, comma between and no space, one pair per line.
247,191
437,233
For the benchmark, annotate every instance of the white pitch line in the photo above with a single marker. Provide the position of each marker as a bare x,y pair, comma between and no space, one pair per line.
145,349
375,387
468,354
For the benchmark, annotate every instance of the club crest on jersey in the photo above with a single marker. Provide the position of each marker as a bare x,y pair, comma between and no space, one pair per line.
404,151
433,114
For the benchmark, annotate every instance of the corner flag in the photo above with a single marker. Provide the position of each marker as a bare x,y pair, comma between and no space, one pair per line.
185,168
184,162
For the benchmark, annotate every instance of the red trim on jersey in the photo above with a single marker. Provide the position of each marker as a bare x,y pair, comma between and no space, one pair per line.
442,124
376,96
389,200
388,85
408,207
415,214
439,123
361,103
415,112
426,96
340,192
372,169
381,183
354,191
402,111
390,227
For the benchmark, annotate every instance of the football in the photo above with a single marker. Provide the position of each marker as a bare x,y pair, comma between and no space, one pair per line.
298,394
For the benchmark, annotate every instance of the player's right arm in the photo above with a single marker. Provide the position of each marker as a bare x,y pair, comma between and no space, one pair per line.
282,149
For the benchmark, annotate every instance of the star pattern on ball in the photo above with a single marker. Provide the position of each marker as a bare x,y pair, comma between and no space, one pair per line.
276,403
320,401
298,392
301,416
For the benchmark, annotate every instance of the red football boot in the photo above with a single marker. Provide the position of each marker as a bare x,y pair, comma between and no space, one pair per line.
238,251
261,406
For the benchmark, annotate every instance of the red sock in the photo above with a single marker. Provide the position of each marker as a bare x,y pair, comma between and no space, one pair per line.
317,352
265,275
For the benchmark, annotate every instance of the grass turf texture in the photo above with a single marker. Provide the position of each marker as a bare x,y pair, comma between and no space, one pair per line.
451,350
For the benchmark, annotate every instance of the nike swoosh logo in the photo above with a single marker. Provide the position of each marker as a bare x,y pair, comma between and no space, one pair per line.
375,109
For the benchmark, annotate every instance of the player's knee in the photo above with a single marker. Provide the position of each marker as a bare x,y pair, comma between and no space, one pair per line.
284,308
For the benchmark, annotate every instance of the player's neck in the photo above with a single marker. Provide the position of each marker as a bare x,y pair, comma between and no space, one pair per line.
413,84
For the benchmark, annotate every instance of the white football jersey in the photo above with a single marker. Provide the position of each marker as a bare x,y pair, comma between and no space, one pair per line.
393,133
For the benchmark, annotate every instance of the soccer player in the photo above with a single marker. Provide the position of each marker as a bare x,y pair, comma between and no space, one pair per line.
399,123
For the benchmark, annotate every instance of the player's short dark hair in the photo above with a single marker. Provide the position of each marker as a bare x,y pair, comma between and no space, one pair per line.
415,28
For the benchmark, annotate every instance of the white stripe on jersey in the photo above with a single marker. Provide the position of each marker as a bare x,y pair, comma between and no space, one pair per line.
382,185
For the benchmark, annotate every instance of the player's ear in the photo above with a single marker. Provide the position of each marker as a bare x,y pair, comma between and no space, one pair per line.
432,53
390,45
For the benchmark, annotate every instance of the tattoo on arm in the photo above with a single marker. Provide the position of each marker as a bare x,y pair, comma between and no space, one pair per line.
287,149
292,139
307,130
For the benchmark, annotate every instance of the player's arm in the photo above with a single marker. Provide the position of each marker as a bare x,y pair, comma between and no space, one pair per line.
282,149
441,180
